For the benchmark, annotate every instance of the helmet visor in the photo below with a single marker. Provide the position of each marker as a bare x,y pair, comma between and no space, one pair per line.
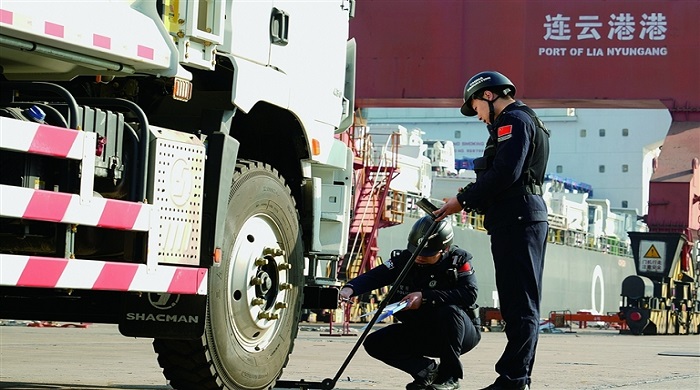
467,109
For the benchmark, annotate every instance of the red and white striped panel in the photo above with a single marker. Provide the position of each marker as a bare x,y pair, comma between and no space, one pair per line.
27,203
92,27
47,272
32,137
35,138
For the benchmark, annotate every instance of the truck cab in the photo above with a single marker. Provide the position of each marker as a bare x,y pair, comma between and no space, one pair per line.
175,167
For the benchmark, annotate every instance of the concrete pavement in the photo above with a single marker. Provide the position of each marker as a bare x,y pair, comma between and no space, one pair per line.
98,357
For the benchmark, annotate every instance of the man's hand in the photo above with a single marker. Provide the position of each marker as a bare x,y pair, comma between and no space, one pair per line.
345,293
414,299
450,207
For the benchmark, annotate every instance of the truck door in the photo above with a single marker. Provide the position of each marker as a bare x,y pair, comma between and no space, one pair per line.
250,30
307,41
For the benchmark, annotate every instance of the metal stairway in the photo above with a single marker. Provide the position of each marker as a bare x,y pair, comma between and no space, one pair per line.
376,206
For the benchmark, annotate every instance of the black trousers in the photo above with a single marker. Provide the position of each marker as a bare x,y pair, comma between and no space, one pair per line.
518,256
443,332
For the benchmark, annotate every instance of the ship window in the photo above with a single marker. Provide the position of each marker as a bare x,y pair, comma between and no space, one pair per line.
601,132
601,168
625,132
625,168
560,169
624,204
583,133
458,134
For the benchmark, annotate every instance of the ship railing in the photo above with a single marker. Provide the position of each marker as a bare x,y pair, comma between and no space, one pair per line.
396,206
557,220
470,220
589,241
557,235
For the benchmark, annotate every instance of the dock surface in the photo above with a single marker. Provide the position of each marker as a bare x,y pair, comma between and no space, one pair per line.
98,357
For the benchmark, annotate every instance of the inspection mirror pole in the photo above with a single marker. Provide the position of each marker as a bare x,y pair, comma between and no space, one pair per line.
329,383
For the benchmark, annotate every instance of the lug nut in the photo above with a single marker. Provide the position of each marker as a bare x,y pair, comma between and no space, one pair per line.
256,281
281,305
285,286
273,251
257,302
260,261
284,267
263,315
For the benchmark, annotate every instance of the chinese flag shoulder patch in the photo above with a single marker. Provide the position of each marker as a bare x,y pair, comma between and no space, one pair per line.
504,131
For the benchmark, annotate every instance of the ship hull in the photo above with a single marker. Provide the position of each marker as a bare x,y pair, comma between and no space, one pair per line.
574,278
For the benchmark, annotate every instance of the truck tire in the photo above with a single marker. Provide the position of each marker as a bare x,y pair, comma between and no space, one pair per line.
254,296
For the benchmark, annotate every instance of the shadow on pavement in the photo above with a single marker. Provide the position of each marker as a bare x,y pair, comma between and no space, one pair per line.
58,386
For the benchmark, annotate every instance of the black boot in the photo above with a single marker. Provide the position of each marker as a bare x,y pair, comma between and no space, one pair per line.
425,379
445,384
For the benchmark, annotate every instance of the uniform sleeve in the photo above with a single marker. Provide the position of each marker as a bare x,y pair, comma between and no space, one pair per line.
379,276
512,137
464,294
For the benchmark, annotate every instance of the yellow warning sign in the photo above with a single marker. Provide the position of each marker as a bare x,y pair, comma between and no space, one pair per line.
652,253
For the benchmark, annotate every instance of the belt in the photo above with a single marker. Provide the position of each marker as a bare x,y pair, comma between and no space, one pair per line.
534,189
528,189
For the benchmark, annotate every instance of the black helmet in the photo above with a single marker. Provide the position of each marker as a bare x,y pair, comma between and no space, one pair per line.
485,80
441,239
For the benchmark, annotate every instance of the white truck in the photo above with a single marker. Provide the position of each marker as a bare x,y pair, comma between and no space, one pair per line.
175,167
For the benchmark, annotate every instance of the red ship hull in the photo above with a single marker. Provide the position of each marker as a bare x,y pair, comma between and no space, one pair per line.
421,52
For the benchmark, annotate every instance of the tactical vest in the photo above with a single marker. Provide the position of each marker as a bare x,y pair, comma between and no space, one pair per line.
532,178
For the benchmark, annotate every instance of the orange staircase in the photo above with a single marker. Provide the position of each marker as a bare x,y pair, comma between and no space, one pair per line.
375,205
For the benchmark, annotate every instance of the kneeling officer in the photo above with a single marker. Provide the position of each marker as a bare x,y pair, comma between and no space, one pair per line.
440,319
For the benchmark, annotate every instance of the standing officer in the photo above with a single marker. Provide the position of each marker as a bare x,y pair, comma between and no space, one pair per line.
508,192
439,319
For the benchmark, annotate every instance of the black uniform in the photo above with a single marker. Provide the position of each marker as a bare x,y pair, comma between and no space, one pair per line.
444,326
508,192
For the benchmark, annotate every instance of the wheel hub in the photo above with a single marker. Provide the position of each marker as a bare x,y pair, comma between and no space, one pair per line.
266,284
258,283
